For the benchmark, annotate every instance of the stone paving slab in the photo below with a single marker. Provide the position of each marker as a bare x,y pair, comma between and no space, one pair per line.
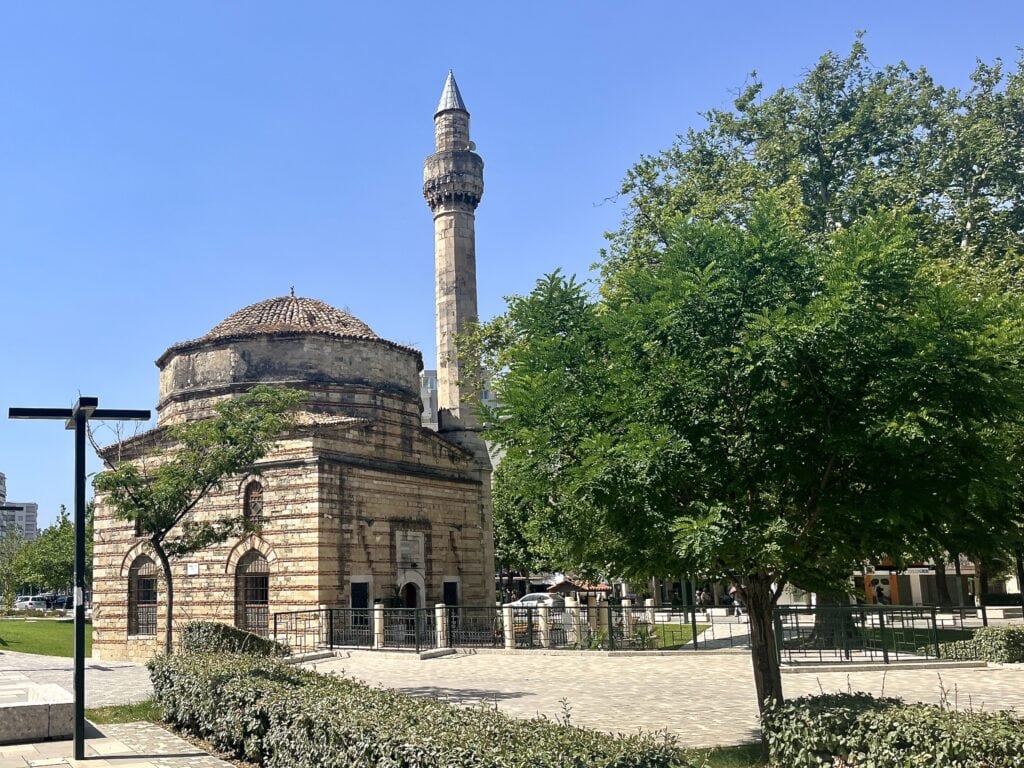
125,745
706,699
106,682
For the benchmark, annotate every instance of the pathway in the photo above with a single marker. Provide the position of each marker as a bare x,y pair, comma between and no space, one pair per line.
106,682
129,745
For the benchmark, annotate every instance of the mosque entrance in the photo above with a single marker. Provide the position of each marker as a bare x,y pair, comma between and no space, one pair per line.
410,596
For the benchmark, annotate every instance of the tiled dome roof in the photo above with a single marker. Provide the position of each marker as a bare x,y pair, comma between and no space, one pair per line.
290,314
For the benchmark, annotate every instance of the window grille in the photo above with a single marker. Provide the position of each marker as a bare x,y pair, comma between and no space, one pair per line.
252,594
142,578
253,509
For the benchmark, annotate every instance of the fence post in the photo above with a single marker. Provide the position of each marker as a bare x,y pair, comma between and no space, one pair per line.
275,628
330,628
649,605
571,619
881,634
544,618
510,631
627,620
984,615
529,627
378,625
779,636
611,627
441,625
592,613
935,634
602,618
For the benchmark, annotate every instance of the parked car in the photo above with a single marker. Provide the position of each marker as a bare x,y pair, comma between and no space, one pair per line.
37,603
62,603
537,599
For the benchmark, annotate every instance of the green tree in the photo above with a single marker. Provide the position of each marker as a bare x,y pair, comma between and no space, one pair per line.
847,139
762,406
195,459
48,562
11,566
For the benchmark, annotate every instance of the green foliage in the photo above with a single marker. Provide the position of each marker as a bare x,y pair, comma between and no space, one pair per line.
1003,644
264,711
11,566
49,561
215,637
203,453
860,731
847,140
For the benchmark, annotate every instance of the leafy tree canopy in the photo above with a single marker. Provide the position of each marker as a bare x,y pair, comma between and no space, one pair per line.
848,139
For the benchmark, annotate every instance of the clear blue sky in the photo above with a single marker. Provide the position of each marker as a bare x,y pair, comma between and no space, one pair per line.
162,167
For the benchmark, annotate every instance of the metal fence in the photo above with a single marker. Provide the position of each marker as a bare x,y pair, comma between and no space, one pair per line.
859,633
330,628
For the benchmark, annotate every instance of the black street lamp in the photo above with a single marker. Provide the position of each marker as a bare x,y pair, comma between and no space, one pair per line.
75,418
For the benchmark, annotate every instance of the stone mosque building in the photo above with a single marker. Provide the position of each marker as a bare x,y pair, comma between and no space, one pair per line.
359,502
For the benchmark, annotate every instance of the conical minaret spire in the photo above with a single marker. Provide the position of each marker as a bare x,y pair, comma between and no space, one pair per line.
450,96
453,183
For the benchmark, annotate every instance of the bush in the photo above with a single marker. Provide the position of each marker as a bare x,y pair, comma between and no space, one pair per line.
262,710
857,730
214,637
1001,644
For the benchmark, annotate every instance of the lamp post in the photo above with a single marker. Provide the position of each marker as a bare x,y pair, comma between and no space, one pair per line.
76,418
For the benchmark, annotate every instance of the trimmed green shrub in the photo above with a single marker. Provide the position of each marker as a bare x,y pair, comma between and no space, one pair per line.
262,710
1002,644
859,731
214,637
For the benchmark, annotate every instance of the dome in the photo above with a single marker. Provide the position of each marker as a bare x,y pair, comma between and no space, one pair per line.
290,314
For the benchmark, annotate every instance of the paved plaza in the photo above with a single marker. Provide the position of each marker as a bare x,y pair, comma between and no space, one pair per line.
704,698
106,682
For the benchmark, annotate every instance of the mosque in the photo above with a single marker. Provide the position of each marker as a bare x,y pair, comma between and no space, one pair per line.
359,502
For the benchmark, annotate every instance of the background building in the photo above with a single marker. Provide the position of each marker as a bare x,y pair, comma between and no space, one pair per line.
17,514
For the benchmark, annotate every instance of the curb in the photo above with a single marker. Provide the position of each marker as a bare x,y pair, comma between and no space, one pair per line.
796,669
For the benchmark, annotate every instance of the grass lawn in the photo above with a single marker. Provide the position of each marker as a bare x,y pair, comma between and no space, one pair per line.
675,636
748,756
144,711
49,637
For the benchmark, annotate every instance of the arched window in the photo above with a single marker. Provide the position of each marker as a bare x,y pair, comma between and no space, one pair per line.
253,509
252,593
142,597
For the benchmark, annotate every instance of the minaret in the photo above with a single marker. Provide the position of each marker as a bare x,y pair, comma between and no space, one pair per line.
453,183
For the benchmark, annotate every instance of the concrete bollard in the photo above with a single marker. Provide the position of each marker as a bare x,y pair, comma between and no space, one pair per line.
649,606
441,624
544,619
378,626
510,629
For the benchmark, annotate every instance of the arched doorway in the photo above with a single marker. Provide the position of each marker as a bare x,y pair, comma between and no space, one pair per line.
410,596
252,593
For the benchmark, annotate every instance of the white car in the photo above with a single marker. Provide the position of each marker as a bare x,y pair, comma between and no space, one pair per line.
537,599
30,604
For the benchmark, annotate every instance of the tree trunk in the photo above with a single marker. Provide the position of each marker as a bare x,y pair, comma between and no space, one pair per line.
1020,573
169,606
981,569
757,593
959,579
941,585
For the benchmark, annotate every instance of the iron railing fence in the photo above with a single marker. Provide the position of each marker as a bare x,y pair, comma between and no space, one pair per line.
475,627
851,633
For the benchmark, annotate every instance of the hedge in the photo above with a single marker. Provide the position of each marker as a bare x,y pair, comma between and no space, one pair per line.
214,637
260,709
1002,644
859,731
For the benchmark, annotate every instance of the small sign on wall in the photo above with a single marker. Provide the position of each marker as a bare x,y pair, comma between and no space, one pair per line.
192,569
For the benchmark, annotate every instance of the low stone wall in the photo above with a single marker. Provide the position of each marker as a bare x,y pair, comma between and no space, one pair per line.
34,712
